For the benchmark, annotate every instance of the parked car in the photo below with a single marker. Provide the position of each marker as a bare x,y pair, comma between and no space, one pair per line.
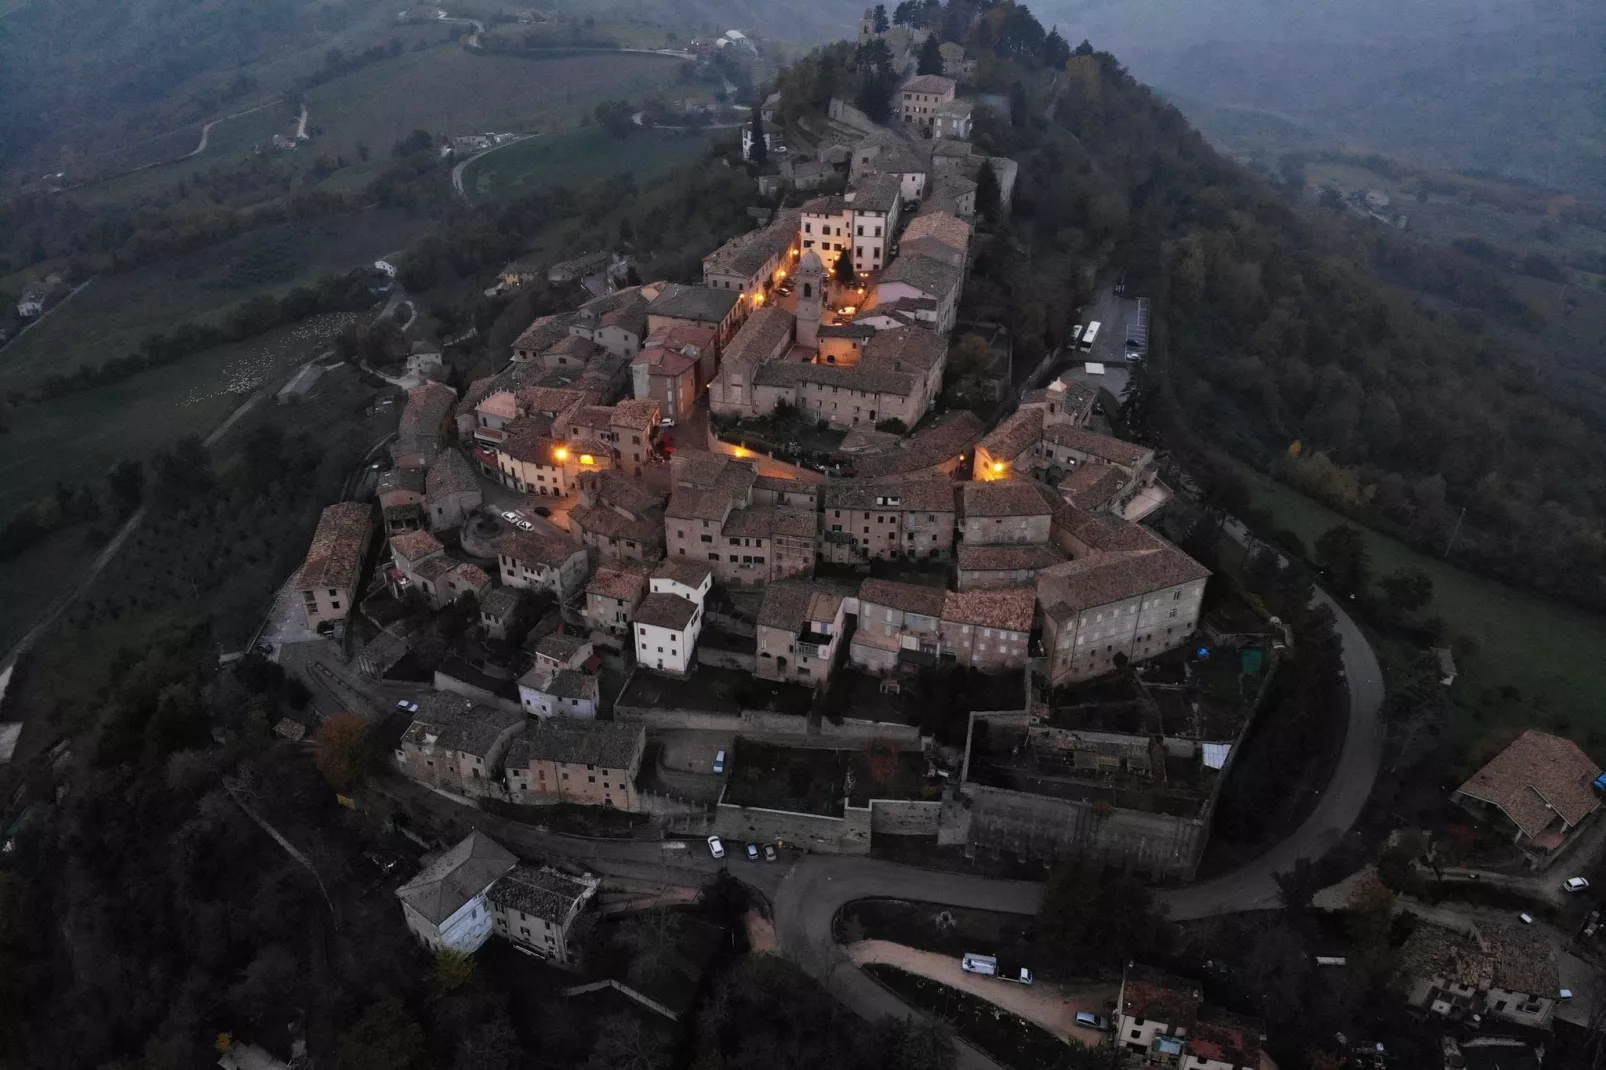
407,706
542,510
752,852
716,848
1089,1020
770,853
1574,884
1527,918
719,762
667,421
510,516
525,525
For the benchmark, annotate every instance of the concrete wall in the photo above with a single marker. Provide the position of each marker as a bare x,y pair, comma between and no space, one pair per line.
904,817
726,659
1037,826
444,682
847,835
761,722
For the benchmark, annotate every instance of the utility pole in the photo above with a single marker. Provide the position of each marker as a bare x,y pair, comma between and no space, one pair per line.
1454,532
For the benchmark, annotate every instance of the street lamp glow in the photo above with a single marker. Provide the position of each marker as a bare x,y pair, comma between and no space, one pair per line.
561,454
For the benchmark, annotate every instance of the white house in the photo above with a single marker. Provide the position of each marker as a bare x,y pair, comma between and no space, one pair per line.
445,905
669,620
548,692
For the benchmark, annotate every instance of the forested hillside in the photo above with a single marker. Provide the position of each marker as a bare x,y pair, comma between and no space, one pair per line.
1276,341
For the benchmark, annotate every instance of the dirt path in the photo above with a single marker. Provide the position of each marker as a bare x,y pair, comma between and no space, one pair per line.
1051,1006
206,131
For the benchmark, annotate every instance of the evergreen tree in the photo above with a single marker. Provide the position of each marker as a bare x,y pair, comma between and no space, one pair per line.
759,153
880,17
930,56
989,198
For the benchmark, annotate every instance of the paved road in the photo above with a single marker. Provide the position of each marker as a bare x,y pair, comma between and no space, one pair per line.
457,172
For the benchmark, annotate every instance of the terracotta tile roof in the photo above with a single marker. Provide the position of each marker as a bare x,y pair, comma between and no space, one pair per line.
1108,577
908,597
407,479
499,603
943,226
1536,779
427,409
544,331
790,604
442,887
704,469
1516,958
686,573
567,740
451,474
471,575
560,646
527,546
1524,959
876,193
1007,558
1091,486
863,376
679,337
765,330
459,724
638,414
1002,497
935,84
1009,608
571,346
831,204
1227,1038
932,249
621,490
664,610
953,435
607,522
335,554
541,892
699,304
914,496
747,254
1114,450
903,349
624,582
1015,435
530,440
1160,997
552,400
930,276
767,521
695,503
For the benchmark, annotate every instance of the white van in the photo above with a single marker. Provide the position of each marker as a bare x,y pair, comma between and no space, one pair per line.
982,964
719,762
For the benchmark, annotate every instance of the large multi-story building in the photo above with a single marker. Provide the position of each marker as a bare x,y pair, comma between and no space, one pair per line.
538,563
1003,512
899,626
745,545
859,224
457,744
613,595
331,577
1110,607
669,619
593,763
922,97
752,263
988,629
863,520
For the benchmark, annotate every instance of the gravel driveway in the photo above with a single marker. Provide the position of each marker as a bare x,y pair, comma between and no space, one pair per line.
1051,1006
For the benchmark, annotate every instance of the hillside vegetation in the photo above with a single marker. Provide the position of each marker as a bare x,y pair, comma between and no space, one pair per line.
1276,341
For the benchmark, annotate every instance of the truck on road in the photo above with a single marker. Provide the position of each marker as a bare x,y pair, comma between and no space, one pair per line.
990,966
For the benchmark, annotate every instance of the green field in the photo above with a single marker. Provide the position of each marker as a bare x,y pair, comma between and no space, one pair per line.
449,90
578,156
231,140
1551,651
111,316
78,437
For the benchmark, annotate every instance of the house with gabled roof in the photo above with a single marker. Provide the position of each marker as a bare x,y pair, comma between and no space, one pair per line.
537,907
445,906
1541,786
331,576
1154,1012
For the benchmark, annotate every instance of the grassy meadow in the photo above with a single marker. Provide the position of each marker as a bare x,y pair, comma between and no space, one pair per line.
1548,650
578,156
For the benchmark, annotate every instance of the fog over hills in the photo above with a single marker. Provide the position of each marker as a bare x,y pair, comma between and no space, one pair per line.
1514,88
